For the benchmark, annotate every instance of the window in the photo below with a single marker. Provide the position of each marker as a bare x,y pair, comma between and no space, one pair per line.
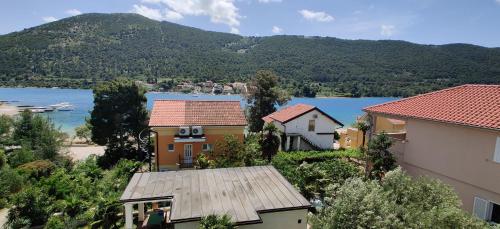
207,147
495,213
312,125
496,154
486,210
170,147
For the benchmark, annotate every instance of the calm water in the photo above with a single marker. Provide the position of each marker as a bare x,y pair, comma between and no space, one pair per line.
343,109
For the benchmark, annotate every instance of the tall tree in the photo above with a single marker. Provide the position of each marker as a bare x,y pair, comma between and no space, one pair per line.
118,116
381,158
263,97
270,142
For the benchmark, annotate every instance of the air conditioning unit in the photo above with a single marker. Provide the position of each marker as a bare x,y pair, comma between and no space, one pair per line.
197,130
184,131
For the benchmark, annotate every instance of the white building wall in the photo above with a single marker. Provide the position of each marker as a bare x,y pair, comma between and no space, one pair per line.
271,220
323,125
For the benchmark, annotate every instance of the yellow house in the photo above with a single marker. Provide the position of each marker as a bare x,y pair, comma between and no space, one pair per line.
186,128
350,138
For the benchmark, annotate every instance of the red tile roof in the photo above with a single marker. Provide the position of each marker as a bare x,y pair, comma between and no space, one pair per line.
289,113
471,105
193,113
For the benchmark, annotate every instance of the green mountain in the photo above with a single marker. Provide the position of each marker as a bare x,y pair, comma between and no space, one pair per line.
88,48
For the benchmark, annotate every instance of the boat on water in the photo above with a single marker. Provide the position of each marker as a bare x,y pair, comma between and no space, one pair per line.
64,106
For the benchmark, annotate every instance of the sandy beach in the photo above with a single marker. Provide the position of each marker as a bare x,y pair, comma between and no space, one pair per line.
7,109
81,152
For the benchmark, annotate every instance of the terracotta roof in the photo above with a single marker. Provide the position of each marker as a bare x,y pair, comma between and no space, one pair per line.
194,112
472,105
289,113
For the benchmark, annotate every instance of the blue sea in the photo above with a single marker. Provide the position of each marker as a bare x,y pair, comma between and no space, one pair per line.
343,109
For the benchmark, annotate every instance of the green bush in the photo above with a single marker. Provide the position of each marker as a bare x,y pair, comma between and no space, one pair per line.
398,201
55,222
21,156
216,222
10,182
31,206
3,159
287,162
202,161
37,169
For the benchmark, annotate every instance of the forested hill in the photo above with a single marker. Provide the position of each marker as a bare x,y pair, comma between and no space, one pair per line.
94,47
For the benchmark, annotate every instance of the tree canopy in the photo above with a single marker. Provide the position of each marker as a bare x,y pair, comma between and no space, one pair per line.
83,50
263,97
118,116
398,201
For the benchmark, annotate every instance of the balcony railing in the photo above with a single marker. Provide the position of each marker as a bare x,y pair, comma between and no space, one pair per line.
185,163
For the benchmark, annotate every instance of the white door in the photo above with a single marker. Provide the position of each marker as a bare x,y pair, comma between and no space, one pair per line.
188,153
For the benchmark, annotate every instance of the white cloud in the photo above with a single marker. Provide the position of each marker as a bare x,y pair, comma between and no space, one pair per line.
268,1
172,15
277,29
219,11
387,30
498,1
316,16
73,12
151,1
234,30
145,11
49,19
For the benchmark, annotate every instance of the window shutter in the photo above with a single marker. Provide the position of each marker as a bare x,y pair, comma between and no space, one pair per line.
496,156
480,208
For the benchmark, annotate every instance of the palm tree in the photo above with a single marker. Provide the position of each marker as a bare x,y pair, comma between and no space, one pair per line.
363,127
271,141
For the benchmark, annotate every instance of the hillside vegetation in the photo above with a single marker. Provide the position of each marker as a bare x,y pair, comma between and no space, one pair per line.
81,50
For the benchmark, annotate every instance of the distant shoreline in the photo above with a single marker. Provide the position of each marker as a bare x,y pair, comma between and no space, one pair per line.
191,93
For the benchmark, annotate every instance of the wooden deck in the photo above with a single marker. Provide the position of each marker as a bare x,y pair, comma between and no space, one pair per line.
241,192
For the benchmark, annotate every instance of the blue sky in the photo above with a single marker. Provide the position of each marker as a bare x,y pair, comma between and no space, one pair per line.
420,21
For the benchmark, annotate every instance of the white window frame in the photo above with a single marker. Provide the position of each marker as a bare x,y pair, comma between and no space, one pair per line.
208,148
480,208
496,153
313,126
173,147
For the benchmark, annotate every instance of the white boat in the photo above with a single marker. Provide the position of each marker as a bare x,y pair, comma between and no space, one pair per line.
59,105
64,106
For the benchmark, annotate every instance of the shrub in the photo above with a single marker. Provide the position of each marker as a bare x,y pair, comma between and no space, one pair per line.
378,153
202,161
21,156
395,202
31,206
55,222
10,182
229,152
216,222
3,159
313,180
84,132
37,169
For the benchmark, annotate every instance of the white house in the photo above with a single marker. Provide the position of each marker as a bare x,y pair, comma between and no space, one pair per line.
304,127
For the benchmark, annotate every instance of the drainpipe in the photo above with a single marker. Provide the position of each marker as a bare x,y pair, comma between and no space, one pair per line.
156,153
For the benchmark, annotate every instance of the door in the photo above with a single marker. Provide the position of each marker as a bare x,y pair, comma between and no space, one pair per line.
188,153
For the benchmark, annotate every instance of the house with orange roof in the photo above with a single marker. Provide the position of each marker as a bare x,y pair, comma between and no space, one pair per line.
186,128
304,127
452,135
